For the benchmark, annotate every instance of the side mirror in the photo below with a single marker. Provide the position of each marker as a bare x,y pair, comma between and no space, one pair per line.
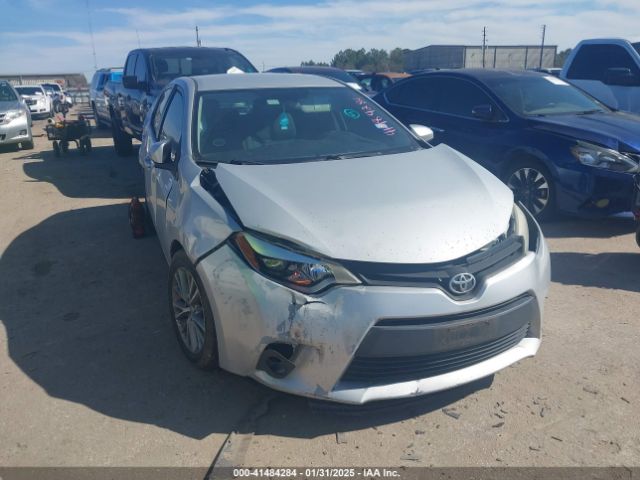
161,153
483,112
623,77
425,133
131,82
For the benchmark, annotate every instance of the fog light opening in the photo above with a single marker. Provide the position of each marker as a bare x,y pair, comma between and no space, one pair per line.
602,203
276,360
22,132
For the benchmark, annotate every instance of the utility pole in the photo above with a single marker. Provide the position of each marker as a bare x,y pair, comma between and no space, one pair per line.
484,43
93,44
198,42
544,29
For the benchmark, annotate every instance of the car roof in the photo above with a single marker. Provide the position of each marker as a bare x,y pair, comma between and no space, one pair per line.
481,73
242,81
312,69
182,49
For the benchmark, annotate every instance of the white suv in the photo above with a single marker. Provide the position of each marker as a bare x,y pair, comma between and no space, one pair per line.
39,103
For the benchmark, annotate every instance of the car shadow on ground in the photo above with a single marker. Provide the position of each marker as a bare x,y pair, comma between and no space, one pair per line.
86,316
567,227
614,270
99,174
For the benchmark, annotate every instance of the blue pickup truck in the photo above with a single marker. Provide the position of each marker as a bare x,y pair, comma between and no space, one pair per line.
148,70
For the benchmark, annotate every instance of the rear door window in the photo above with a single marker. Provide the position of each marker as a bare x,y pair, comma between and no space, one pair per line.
415,93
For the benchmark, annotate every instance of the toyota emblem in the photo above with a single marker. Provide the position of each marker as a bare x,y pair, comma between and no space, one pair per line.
462,283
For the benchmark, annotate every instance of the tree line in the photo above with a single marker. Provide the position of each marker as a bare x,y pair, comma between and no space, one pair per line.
379,60
373,60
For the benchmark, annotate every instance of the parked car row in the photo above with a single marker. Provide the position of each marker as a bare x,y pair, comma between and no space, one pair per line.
15,118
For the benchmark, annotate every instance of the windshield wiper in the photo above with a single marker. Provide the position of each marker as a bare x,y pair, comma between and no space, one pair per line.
235,161
589,112
343,156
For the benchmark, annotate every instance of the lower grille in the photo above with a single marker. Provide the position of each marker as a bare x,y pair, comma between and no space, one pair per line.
384,370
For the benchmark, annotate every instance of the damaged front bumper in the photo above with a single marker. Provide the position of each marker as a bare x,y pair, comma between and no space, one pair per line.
355,344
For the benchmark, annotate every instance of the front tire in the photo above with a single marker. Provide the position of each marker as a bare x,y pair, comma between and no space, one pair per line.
533,186
27,145
191,313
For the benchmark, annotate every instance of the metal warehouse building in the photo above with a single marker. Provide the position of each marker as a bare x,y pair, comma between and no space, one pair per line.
513,57
67,80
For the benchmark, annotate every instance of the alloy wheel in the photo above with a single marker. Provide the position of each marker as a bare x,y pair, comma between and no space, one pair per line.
530,187
188,312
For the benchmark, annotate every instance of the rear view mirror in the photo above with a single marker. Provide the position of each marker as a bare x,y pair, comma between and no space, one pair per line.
160,152
483,112
623,77
425,133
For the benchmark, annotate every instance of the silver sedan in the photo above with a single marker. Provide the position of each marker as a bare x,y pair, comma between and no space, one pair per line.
320,247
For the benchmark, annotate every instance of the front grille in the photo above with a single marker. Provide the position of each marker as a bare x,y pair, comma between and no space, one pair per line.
368,371
482,263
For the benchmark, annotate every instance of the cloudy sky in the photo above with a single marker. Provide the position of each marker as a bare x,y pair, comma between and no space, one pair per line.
53,35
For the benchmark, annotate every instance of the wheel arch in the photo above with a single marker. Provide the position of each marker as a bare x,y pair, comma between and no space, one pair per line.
521,154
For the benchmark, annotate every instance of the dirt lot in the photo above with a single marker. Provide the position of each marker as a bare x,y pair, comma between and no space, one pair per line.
91,374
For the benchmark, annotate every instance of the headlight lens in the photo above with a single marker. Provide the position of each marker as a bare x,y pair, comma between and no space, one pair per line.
13,114
300,272
519,225
601,157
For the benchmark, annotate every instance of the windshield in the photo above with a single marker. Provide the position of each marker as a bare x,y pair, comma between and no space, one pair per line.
30,90
54,87
294,124
6,93
169,65
542,95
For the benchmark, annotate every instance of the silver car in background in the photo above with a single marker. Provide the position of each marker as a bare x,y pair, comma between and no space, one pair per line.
15,118
320,247
39,103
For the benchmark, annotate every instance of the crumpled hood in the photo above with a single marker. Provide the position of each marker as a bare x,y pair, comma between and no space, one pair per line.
617,130
432,205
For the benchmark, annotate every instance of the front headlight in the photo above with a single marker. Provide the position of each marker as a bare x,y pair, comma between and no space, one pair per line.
519,225
601,157
294,270
14,114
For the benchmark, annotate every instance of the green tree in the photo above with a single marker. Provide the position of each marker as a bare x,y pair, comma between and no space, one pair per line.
311,63
396,60
561,57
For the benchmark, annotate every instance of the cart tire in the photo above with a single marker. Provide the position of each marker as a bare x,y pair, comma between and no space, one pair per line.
87,145
56,148
64,146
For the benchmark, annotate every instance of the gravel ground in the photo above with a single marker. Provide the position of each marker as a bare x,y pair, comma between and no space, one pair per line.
91,374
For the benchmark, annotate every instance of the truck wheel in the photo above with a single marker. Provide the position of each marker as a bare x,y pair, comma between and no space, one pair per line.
121,141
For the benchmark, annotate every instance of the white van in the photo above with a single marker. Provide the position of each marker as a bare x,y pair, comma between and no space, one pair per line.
608,69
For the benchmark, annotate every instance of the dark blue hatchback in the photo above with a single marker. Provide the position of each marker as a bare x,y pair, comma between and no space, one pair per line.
553,145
